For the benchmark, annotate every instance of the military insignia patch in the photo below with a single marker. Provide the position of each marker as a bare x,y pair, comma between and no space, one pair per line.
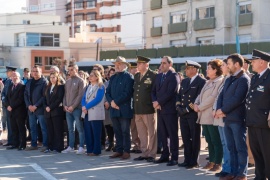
148,81
260,88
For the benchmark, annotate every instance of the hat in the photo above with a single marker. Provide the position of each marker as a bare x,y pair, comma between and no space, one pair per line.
132,65
142,59
247,60
9,68
193,63
256,54
26,70
121,60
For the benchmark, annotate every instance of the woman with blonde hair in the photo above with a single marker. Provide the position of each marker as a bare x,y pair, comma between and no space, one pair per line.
204,106
93,113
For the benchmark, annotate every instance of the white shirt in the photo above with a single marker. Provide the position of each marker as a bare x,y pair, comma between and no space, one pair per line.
261,73
192,79
52,88
235,74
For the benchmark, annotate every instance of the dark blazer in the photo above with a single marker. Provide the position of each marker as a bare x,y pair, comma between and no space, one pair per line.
7,83
231,99
54,101
258,101
120,89
37,95
15,100
188,94
142,93
165,93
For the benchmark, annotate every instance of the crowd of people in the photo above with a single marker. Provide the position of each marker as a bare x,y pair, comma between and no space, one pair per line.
132,104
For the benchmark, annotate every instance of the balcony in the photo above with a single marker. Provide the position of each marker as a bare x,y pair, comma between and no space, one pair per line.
201,24
245,19
177,27
156,31
156,4
171,2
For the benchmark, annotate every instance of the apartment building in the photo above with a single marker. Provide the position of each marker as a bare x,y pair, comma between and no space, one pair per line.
204,22
29,39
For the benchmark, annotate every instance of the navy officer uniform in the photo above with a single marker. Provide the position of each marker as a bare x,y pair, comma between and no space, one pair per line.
258,117
190,130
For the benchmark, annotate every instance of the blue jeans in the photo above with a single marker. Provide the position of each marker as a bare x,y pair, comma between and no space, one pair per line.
226,167
121,128
92,131
33,127
72,119
235,134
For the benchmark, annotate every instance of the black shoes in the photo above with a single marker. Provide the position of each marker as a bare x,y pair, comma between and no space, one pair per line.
136,151
251,165
109,148
159,151
140,158
192,166
184,164
7,144
161,160
150,159
172,163
12,147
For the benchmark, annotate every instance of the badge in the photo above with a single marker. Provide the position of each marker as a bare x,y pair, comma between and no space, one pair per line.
260,88
148,81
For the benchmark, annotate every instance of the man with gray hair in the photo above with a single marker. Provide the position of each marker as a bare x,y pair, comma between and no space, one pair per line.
55,69
119,94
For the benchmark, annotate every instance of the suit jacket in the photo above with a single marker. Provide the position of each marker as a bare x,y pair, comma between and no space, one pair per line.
54,101
206,99
258,101
142,93
231,100
15,100
120,90
165,92
188,94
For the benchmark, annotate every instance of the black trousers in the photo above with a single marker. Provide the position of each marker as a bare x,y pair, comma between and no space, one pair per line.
168,128
191,132
18,131
259,140
110,133
55,133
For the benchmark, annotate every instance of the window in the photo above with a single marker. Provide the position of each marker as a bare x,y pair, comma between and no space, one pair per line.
33,8
93,28
178,43
42,39
78,5
245,38
77,29
245,7
38,61
90,4
68,18
48,5
206,40
78,17
26,21
49,62
157,21
91,16
204,13
177,17
156,46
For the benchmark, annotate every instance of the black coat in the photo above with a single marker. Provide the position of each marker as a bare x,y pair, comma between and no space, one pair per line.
258,101
15,100
188,94
165,93
54,101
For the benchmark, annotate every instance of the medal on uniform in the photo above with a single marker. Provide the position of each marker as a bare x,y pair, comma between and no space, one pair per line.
260,88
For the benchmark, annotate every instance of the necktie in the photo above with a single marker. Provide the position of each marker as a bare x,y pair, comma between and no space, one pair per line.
162,78
14,86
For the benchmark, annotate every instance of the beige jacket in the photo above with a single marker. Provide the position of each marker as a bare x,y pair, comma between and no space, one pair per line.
206,100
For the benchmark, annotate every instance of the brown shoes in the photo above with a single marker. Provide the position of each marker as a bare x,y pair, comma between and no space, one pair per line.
215,169
92,154
240,178
116,155
208,166
125,156
228,177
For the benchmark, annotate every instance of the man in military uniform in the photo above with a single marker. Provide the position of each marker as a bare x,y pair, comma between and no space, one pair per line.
145,116
6,117
133,128
246,67
257,114
190,130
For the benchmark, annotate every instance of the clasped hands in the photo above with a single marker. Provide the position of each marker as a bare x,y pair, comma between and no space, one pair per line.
218,114
32,108
113,105
156,105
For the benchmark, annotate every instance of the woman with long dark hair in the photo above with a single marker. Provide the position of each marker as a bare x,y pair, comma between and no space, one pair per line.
54,113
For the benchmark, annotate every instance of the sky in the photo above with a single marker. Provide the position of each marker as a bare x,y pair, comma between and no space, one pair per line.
11,6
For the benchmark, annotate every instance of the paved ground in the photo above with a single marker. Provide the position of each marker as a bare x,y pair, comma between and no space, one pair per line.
35,165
